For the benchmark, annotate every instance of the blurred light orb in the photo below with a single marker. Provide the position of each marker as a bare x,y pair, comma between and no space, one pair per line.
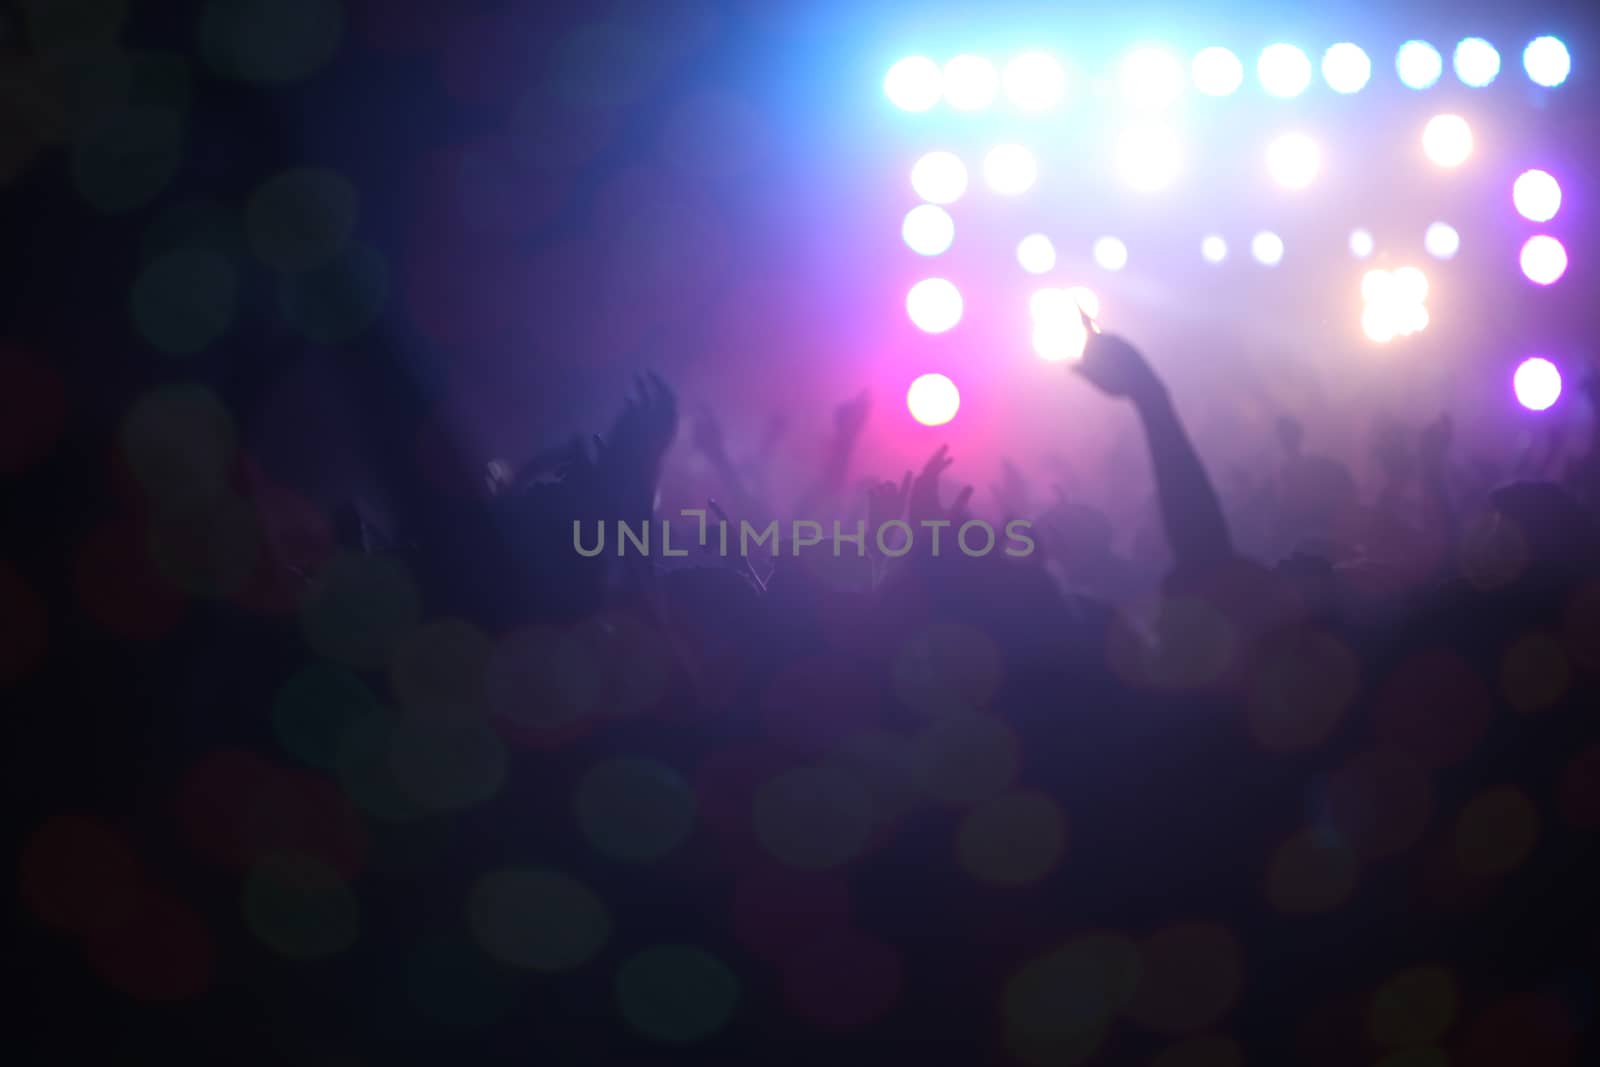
1544,260
1149,159
1419,65
914,84
1010,169
1284,70
1447,140
1267,248
970,83
1441,240
1537,384
1035,81
1293,160
1110,253
1059,339
1036,254
1048,305
933,400
1409,285
934,305
928,229
1217,72
1346,68
1547,61
1477,62
1378,323
939,178
1361,244
1213,249
1152,77
1376,286
1415,319
1084,297
1537,196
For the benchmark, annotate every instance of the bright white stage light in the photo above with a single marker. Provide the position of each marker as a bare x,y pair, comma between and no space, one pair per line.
1346,68
1036,254
1378,322
1267,248
1376,286
1060,340
939,178
1110,253
1477,62
1419,64
1284,70
1152,77
1544,260
1217,72
914,84
1048,305
1214,249
1441,240
970,83
1547,61
1361,244
1537,196
1293,160
1148,159
1537,384
1409,285
934,305
928,229
1447,140
1083,297
1034,81
1010,169
933,400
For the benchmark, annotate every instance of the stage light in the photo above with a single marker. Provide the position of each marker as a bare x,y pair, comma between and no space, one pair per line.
1267,248
1418,63
1060,339
970,83
1361,244
1447,140
1293,160
1477,62
1537,384
928,229
1346,68
1217,72
1110,253
1284,70
1536,195
1036,254
1214,249
1378,323
1148,159
1034,81
1544,260
1083,297
1441,240
1010,169
1377,287
1409,285
939,178
1048,305
913,84
933,400
1414,319
1547,61
1152,77
934,305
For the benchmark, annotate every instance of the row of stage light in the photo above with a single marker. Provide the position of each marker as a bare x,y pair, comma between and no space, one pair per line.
1155,75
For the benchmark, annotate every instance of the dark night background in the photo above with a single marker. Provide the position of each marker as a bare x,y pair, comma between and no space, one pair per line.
318,752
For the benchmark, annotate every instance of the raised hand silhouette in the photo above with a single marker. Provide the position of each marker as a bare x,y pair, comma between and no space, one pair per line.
1114,366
